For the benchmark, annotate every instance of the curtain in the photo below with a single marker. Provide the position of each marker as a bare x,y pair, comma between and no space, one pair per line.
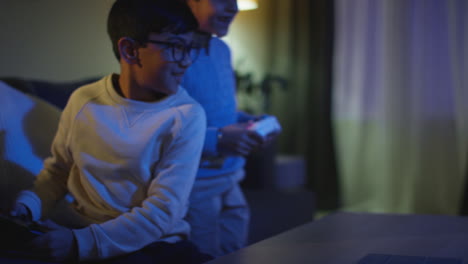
400,104
301,46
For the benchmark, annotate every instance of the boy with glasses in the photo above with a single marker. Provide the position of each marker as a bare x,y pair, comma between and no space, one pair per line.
127,148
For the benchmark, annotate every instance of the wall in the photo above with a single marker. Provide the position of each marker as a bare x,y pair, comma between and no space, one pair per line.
249,40
55,39
67,40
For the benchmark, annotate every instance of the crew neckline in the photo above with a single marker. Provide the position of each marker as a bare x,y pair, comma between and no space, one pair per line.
117,98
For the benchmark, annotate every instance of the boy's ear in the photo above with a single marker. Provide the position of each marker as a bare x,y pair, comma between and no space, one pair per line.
128,49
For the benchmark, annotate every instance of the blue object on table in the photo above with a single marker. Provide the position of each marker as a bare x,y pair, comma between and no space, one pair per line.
397,259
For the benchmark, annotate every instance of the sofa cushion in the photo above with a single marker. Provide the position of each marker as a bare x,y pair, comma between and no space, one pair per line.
27,128
55,93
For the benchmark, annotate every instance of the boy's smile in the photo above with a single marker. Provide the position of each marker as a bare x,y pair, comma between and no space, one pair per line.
214,16
162,62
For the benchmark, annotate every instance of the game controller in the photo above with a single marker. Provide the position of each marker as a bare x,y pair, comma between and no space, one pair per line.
15,236
265,126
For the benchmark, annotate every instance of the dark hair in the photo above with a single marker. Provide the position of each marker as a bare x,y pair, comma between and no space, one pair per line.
136,19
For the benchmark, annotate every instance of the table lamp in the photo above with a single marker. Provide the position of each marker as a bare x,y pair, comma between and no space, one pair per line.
247,4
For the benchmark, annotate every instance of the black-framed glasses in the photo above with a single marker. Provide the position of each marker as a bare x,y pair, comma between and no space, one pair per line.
178,50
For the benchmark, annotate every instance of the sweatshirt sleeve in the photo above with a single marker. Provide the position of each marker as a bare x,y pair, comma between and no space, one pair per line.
166,203
210,148
51,182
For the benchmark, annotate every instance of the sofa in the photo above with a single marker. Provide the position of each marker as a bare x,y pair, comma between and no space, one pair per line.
29,115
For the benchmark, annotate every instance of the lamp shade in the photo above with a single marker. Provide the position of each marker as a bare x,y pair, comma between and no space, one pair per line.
247,4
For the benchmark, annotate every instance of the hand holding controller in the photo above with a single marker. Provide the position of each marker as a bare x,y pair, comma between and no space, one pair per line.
266,126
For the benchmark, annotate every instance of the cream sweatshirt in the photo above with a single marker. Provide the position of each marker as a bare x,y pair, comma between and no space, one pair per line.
129,165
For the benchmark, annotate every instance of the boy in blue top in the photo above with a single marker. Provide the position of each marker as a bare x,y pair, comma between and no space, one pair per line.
127,147
218,213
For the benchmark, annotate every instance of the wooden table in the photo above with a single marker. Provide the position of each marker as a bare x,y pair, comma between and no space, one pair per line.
347,237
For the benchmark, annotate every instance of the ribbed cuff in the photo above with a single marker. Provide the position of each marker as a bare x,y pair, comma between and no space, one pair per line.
32,201
211,142
86,243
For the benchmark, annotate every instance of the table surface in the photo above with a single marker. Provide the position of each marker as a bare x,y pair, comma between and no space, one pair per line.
347,237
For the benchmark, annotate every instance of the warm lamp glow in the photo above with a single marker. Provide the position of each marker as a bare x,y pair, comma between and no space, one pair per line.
247,4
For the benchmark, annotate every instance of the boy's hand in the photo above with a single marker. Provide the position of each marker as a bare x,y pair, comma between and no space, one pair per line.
21,212
236,139
58,244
